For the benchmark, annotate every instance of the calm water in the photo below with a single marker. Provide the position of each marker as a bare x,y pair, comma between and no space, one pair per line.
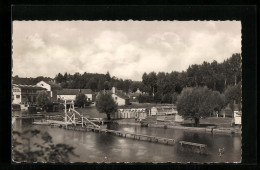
98,147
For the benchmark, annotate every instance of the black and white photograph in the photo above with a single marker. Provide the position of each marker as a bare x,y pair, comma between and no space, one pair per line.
127,91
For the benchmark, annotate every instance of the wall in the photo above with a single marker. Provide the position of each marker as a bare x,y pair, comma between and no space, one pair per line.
66,97
118,100
89,96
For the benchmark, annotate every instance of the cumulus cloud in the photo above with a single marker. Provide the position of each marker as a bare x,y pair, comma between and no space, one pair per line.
126,49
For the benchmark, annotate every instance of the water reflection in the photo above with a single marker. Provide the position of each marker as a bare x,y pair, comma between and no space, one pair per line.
100,147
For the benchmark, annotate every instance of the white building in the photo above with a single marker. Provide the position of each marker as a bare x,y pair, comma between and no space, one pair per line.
24,94
70,94
119,97
51,87
237,117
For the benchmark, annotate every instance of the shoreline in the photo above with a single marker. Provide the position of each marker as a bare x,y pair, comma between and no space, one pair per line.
211,130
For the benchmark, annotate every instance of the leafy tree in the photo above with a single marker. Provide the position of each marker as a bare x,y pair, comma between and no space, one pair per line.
36,146
43,99
233,95
106,104
59,78
174,97
157,97
167,98
197,102
80,100
107,77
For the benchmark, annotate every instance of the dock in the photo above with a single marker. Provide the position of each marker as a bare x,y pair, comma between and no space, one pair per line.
135,136
194,147
29,116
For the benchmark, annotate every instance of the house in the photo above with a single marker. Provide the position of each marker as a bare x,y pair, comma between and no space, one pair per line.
237,117
25,94
119,97
70,94
52,88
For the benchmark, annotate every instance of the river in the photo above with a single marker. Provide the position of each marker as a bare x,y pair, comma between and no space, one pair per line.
99,147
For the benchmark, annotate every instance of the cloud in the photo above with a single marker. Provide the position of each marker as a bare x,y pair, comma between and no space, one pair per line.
36,41
125,49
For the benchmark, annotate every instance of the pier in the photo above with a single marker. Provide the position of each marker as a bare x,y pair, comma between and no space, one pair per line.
73,120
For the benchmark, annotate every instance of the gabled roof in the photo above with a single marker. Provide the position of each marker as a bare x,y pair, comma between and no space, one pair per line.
24,81
74,91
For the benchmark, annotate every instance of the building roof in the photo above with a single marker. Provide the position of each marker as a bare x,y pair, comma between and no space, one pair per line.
24,81
74,91
34,87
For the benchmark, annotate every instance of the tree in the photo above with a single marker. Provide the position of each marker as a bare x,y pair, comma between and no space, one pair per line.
43,99
59,78
197,102
80,100
157,97
106,104
167,98
233,95
36,146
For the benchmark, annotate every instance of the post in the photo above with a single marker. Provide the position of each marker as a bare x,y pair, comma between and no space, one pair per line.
65,111
82,121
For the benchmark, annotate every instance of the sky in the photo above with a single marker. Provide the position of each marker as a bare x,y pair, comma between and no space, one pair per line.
125,49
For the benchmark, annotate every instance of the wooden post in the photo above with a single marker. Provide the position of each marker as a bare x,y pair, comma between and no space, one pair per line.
82,121
66,114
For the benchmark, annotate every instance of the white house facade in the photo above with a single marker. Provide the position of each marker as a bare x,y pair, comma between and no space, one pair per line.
119,97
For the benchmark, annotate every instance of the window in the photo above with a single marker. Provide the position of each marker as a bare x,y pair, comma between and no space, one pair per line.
18,96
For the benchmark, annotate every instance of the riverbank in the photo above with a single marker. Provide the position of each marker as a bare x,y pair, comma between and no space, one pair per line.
208,129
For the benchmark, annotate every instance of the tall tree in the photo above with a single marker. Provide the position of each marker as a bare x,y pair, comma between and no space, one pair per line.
197,102
43,98
233,95
80,100
106,104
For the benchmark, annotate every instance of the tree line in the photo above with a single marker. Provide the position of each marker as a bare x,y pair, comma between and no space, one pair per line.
214,75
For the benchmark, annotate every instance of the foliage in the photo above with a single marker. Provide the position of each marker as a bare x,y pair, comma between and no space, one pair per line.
80,100
199,101
167,98
233,95
106,104
36,146
145,99
43,98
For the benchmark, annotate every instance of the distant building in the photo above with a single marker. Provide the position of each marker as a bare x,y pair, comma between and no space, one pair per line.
164,110
138,113
119,97
237,117
70,94
52,88
24,94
